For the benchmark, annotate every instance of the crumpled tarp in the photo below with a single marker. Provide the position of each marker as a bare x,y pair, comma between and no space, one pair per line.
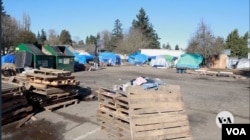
8,58
137,58
109,58
83,58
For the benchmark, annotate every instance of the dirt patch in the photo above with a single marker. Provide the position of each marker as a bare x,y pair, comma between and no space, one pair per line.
36,130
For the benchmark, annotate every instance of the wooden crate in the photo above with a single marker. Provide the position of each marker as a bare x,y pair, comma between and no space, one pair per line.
145,114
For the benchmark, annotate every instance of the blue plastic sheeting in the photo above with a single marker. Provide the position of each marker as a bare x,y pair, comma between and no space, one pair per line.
82,58
108,58
118,60
8,58
137,58
190,61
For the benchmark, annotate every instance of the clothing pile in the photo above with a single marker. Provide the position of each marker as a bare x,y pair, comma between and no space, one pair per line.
145,82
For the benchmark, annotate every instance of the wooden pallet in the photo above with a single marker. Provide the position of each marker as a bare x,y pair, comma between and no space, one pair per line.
59,105
56,82
54,72
144,114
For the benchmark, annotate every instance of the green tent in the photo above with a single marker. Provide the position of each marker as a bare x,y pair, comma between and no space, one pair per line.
190,61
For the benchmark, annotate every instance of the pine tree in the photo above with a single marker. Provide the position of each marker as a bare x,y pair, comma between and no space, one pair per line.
177,47
43,36
237,44
168,47
65,37
117,31
146,27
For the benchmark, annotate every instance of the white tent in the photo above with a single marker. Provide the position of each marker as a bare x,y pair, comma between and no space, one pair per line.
243,63
158,52
231,62
159,61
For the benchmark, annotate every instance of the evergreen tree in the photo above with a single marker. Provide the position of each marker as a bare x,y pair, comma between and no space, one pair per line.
43,36
117,31
65,37
116,37
237,44
146,27
168,47
2,9
177,47
38,35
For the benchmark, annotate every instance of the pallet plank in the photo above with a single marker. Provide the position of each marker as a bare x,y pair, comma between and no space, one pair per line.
158,118
161,125
180,130
63,104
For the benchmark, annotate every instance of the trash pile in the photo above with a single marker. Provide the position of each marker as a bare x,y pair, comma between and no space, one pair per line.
146,82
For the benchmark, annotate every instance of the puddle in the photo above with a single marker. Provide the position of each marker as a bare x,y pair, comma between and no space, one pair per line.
34,130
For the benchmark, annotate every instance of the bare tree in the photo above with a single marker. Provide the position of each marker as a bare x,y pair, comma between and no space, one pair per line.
219,45
203,41
133,41
26,22
106,37
9,33
53,38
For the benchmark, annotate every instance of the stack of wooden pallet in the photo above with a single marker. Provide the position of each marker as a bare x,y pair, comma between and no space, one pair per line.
50,88
14,103
142,114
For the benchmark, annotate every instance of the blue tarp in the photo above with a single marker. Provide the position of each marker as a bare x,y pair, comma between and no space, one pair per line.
190,61
83,58
137,58
8,58
108,58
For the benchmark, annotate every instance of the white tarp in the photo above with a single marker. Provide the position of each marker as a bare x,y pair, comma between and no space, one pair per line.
231,62
243,63
159,61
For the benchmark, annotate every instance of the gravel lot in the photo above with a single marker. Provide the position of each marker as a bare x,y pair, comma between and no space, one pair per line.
204,97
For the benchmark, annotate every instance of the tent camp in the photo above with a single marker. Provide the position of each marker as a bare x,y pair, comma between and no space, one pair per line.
109,58
189,61
243,63
137,58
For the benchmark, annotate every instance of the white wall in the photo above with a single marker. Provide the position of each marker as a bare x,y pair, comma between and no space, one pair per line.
157,52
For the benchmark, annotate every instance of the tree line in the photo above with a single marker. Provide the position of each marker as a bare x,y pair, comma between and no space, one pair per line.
140,35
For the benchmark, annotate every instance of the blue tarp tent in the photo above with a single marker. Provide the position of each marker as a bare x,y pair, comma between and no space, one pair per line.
109,58
189,61
83,58
137,58
8,58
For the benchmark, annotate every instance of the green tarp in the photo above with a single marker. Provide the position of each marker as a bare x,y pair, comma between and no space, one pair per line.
190,61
